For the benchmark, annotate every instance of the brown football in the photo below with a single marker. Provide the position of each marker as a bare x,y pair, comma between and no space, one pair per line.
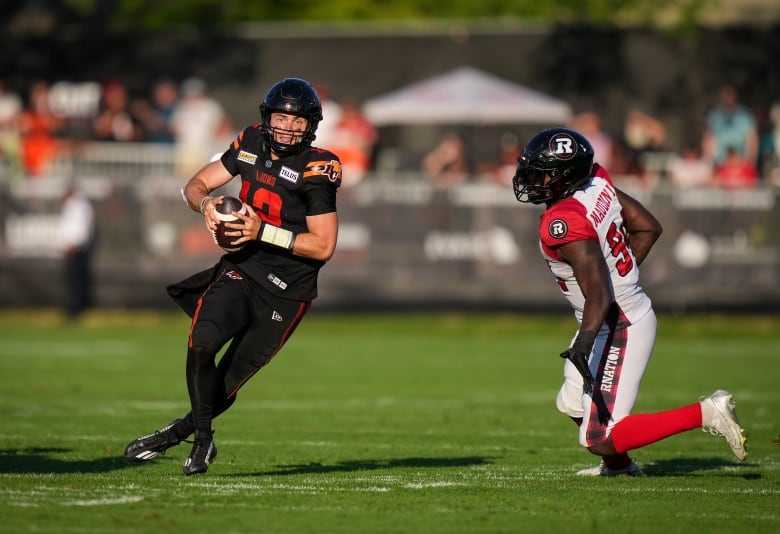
225,214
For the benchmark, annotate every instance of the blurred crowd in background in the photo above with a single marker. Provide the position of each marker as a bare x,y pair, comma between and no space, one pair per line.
738,147
57,118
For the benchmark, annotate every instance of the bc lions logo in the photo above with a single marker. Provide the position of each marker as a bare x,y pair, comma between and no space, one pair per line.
331,169
563,146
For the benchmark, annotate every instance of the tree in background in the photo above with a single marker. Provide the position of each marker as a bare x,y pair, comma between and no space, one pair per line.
153,15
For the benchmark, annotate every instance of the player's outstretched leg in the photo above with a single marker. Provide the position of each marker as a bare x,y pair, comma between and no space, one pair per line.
204,451
151,446
719,418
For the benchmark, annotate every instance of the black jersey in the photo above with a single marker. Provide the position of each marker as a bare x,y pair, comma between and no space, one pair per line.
283,193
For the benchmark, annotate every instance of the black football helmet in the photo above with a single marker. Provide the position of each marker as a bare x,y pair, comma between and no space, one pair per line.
564,155
293,96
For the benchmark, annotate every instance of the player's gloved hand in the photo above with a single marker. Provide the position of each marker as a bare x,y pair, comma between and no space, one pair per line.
578,354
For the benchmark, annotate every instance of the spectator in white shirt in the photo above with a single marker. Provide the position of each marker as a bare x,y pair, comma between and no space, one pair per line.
197,123
77,237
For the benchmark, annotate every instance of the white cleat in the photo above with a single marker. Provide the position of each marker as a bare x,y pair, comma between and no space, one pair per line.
720,419
602,470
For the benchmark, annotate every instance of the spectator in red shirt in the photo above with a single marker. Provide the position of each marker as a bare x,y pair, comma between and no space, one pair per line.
353,138
39,127
735,171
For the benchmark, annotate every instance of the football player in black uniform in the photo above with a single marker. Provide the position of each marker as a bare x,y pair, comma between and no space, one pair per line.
254,298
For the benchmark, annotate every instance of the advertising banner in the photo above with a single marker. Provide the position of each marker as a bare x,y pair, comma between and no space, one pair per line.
402,244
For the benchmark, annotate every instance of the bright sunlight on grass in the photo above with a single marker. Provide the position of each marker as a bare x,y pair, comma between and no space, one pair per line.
439,423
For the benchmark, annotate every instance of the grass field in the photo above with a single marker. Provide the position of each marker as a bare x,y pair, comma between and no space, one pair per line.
441,423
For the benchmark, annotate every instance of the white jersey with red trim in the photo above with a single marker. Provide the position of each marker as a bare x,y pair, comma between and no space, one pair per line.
594,212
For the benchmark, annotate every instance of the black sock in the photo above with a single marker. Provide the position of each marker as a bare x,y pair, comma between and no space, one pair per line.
201,381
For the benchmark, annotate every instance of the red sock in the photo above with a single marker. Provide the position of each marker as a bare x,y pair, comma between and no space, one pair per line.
639,430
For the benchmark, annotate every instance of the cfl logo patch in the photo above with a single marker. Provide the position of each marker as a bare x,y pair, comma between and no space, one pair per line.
563,146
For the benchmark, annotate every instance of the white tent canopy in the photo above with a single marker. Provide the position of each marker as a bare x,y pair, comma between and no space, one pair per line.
465,96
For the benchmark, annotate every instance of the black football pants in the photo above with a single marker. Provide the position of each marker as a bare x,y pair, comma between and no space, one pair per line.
255,323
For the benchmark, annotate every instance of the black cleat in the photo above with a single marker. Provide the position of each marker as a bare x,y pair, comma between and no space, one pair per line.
204,451
149,447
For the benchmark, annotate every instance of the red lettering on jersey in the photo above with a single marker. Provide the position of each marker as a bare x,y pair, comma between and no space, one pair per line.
617,238
601,207
265,178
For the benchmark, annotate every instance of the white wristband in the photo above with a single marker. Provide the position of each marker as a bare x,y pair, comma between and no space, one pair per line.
278,237
203,203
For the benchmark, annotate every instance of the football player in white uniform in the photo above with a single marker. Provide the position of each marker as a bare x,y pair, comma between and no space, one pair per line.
594,237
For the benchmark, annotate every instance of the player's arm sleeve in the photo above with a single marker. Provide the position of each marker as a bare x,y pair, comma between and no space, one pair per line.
560,227
228,160
229,157
320,199
323,178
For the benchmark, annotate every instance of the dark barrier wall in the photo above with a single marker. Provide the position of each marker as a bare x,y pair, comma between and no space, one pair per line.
402,244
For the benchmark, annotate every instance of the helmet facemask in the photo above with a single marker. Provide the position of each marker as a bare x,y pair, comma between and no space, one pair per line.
529,183
283,141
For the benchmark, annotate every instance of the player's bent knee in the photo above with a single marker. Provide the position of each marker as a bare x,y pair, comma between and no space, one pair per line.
603,448
205,336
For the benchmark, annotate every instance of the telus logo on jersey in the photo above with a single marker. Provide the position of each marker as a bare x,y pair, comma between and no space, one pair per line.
563,146
288,174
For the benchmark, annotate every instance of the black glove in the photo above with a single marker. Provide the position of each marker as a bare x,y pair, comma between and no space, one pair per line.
578,353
